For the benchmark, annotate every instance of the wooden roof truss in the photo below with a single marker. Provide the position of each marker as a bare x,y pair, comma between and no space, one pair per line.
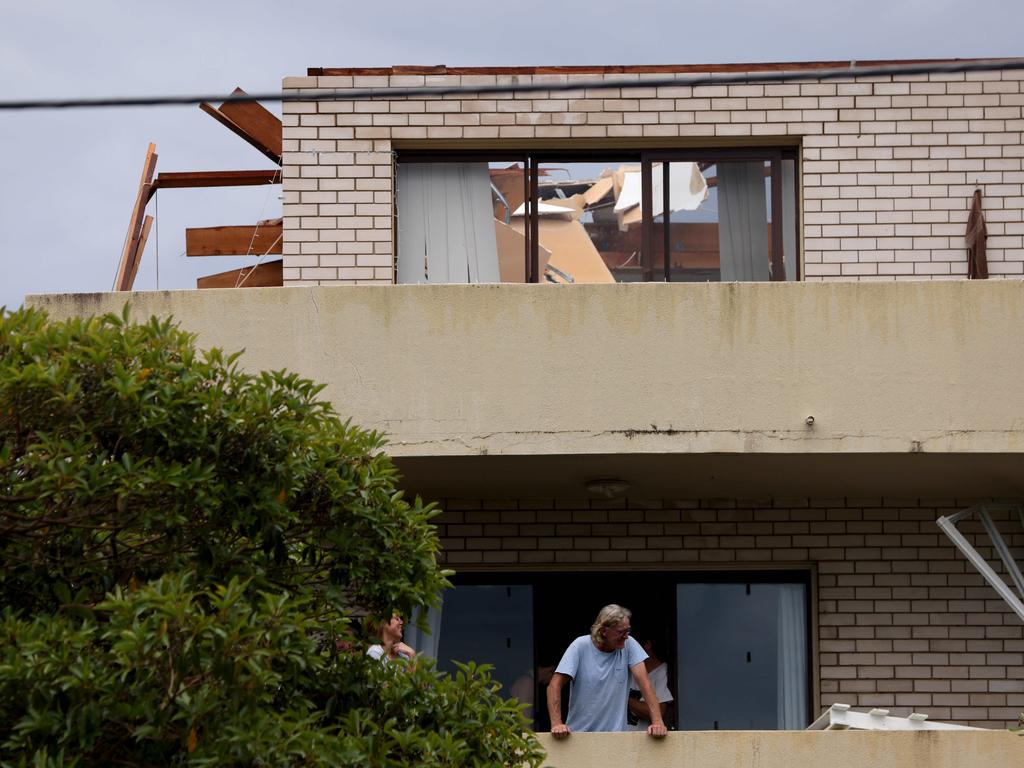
260,128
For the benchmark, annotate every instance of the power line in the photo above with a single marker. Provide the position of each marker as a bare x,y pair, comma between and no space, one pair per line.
677,81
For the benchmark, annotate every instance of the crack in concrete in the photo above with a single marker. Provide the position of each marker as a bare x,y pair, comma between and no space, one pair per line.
917,445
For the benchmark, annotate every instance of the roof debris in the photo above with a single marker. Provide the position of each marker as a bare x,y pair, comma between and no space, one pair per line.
260,128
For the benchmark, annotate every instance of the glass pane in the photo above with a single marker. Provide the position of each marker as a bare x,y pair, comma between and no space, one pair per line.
590,226
693,221
727,235
742,656
491,624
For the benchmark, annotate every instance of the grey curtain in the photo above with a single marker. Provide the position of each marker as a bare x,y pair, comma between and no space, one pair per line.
789,218
742,221
425,643
792,662
446,224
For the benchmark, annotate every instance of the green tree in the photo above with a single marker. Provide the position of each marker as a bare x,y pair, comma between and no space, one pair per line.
181,546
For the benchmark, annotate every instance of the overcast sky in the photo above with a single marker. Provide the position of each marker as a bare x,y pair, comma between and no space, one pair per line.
69,178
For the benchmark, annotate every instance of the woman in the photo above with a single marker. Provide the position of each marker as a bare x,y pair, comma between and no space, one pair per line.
639,715
390,635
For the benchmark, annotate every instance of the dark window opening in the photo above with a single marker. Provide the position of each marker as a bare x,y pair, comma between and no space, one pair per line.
737,644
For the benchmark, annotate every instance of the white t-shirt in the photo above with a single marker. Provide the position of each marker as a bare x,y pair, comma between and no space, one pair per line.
659,681
600,684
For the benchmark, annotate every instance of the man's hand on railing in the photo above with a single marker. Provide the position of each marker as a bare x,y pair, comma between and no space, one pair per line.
657,730
560,731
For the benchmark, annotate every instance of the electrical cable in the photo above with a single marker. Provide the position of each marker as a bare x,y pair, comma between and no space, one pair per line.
243,275
676,81
239,279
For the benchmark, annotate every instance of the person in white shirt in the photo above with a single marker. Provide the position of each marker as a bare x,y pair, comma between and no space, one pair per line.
391,646
639,715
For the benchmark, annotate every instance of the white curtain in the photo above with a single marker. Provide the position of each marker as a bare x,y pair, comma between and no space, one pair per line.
446,224
792,662
425,643
742,221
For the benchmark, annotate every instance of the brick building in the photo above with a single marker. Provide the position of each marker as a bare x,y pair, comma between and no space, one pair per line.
885,171
887,165
751,448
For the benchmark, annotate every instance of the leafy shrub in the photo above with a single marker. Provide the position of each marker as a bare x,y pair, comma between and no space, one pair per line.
180,546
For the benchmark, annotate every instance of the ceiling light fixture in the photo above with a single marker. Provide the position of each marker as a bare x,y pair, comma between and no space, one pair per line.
609,487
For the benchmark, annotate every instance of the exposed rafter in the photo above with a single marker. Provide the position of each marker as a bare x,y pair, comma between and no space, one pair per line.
189,179
252,121
261,239
270,274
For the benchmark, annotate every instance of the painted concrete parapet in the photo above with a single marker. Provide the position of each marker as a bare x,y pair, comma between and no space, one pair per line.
788,749
459,370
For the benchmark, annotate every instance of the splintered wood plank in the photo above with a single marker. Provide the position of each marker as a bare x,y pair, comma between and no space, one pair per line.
189,179
252,121
128,266
141,249
234,241
267,275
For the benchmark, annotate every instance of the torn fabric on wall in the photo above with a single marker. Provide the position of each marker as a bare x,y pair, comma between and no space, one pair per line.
977,234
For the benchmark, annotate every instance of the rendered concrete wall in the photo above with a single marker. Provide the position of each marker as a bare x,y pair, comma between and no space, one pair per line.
923,367
888,164
757,749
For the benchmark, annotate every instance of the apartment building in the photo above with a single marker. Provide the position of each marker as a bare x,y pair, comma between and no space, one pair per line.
747,444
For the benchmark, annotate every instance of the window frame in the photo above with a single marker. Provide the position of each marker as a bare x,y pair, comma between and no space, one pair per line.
531,160
550,581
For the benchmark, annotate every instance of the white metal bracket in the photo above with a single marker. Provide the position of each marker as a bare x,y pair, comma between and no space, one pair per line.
948,526
839,717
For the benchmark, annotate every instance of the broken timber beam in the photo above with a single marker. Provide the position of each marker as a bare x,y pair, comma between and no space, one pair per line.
267,275
261,239
143,237
252,121
128,266
190,179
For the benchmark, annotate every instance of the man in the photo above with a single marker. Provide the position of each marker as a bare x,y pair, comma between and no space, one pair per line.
599,666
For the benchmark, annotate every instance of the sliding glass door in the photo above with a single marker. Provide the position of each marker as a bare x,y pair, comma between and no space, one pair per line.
742,656
597,216
736,644
492,624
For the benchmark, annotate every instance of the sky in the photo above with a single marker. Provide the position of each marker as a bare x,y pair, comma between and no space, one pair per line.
69,178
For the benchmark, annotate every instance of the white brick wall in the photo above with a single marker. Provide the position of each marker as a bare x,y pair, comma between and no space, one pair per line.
903,621
888,165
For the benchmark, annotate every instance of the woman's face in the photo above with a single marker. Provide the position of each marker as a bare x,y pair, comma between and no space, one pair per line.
392,630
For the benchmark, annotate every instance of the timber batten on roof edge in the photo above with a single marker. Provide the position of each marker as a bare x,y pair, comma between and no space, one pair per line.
616,69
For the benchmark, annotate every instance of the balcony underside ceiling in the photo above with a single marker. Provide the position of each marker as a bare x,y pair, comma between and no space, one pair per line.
956,477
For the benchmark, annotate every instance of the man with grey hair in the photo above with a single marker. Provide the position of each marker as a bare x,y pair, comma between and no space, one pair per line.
599,666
